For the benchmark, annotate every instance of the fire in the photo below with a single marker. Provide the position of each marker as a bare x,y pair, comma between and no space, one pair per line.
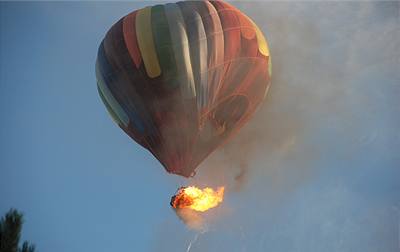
196,198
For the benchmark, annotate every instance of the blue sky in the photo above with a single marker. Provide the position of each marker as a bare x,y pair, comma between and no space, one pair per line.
321,157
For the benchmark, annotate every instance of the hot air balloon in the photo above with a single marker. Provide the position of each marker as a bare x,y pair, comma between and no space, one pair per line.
182,78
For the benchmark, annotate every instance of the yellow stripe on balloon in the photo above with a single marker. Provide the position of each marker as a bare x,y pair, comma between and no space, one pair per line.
262,43
146,43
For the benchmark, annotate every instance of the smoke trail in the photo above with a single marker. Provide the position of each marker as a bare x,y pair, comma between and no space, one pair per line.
192,219
195,238
278,126
332,102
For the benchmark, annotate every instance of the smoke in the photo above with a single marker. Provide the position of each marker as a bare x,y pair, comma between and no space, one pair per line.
319,56
332,104
192,219
279,126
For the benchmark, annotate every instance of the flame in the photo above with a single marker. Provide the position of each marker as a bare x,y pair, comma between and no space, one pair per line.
197,199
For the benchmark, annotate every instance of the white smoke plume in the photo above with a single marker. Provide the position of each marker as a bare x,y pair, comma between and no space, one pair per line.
332,108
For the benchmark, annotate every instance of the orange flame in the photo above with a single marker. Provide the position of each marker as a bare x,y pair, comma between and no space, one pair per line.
196,198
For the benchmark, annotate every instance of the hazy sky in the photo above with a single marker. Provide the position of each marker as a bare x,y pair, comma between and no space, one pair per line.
319,165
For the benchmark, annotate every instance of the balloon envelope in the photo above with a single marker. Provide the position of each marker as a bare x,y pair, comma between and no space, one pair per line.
182,78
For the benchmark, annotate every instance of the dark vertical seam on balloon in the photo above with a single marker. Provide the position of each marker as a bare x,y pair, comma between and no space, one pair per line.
180,148
195,127
158,96
217,41
223,36
112,53
146,90
193,147
230,22
122,72
154,10
136,76
107,74
135,73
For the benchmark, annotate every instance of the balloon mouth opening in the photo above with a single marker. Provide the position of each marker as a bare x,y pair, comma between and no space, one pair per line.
183,173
